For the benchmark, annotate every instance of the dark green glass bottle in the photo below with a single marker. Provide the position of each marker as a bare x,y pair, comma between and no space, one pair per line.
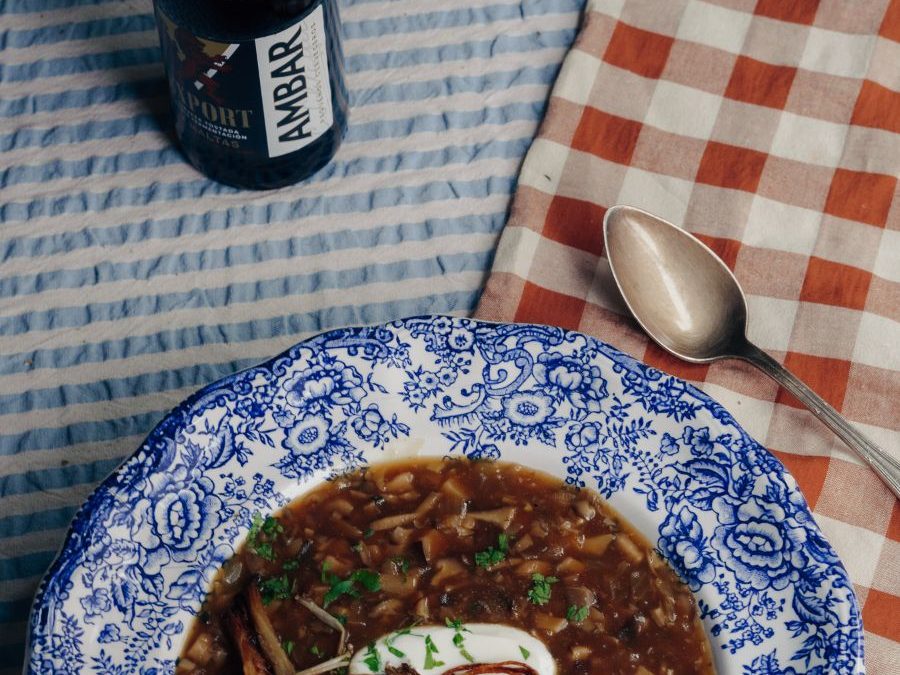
258,93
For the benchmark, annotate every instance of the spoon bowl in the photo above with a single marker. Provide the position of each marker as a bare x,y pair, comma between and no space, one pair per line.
680,292
688,301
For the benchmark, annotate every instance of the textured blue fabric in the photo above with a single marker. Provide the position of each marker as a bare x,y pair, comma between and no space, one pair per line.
128,280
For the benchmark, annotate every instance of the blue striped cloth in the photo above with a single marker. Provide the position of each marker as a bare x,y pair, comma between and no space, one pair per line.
127,280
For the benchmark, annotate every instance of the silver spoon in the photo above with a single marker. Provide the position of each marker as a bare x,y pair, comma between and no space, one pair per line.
689,302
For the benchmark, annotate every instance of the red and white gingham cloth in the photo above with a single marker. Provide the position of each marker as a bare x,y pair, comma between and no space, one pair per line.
771,130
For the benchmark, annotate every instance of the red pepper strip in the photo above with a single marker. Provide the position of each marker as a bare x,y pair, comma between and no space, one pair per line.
511,667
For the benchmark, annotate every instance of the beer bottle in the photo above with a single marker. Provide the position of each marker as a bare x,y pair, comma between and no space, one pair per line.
257,86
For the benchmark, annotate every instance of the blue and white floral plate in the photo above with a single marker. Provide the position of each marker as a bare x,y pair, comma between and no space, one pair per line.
141,552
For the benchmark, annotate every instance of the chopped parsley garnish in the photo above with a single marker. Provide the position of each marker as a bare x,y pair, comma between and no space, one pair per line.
389,642
287,646
577,614
291,565
368,533
271,526
396,652
430,650
264,550
339,588
315,651
340,618
525,652
256,523
262,533
493,555
459,641
276,588
372,658
455,624
369,580
539,593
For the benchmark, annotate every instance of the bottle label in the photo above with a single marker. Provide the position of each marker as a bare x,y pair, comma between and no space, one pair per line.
296,92
266,97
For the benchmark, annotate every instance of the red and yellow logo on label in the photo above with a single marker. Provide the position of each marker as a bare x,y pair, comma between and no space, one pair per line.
199,60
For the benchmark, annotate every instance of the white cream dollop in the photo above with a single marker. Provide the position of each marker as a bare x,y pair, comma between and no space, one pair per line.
483,643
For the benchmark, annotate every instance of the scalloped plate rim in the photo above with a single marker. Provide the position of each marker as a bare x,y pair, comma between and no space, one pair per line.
83,514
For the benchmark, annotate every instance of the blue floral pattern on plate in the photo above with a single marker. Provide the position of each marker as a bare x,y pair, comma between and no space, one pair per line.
141,552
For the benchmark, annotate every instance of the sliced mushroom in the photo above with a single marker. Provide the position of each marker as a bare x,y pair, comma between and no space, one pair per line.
548,622
501,517
580,596
629,549
389,606
455,489
365,554
268,639
402,482
427,504
444,569
434,545
597,544
523,543
400,584
345,528
342,506
529,567
570,566
390,522
237,623
580,652
585,509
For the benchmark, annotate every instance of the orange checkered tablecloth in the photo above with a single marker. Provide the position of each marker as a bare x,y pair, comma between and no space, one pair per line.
771,130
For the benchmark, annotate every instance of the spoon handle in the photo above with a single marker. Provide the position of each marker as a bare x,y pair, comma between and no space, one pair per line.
883,464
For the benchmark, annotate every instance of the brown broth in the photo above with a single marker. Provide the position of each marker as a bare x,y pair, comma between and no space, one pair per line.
431,532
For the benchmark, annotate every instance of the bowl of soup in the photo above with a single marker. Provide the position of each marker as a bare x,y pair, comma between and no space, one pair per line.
447,496
449,565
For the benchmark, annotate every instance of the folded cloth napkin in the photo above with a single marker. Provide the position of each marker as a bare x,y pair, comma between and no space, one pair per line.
771,130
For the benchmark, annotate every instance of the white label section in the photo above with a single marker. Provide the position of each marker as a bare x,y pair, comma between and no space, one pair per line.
296,90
